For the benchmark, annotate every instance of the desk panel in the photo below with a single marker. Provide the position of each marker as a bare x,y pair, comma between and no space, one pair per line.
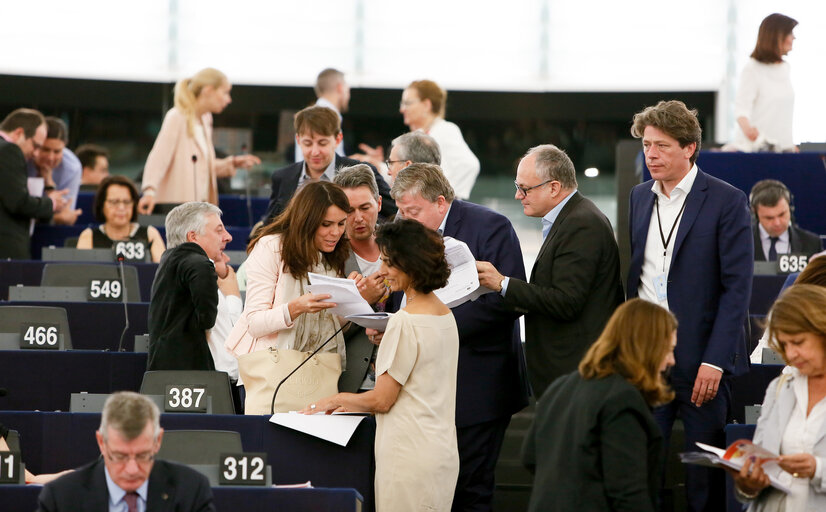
23,498
44,379
52,441
98,325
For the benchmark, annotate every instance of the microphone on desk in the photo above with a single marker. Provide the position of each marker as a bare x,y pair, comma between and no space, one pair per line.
272,404
194,177
247,185
120,257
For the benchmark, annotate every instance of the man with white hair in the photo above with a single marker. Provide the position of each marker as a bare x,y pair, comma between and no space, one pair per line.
184,300
412,148
127,477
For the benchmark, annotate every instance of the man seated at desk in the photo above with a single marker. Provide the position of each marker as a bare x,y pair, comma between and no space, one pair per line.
774,232
127,477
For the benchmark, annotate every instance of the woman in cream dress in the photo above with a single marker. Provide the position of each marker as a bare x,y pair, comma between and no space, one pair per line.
417,459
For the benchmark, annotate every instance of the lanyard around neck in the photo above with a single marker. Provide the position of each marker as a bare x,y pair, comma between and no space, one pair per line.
665,240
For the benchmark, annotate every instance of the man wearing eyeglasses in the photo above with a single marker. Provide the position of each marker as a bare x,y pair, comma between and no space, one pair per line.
21,133
575,283
127,478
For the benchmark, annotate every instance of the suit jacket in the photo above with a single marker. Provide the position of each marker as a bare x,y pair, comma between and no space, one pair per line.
184,305
574,289
801,241
285,183
358,346
17,207
172,487
709,281
491,377
778,405
611,452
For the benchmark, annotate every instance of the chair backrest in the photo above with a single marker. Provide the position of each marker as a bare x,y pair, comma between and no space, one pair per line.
79,275
12,318
198,446
217,384
74,254
13,440
70,241
154,220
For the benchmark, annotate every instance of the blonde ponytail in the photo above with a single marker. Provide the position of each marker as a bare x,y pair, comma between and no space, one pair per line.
188,90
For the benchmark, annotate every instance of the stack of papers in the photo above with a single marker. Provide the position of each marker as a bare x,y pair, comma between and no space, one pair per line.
463,283
344,293
335,428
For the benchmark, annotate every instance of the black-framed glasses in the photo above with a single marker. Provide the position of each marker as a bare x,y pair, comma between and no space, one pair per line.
525,190
388,162
114,203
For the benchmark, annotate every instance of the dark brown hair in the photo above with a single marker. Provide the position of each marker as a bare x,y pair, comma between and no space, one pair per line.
298,223
814,273
417,251
28,119
675,119
319,120
633,344
773,30
88,154
57,129
103,190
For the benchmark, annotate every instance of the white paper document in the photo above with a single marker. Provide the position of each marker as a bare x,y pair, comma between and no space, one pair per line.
717,457
463,283
344,293
36,187
377,321
335,428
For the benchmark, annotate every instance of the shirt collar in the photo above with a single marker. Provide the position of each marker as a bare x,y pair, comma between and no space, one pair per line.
328,174
116,494
6,137
550,217
324,102
444,219
764,235
682,188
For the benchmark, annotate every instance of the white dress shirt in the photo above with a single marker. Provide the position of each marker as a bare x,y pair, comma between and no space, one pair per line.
229,309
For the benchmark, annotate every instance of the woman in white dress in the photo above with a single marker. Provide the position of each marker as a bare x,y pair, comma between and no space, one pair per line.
764,106
792,418
417,458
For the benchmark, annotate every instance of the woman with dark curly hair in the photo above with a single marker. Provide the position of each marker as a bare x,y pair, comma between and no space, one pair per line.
417,459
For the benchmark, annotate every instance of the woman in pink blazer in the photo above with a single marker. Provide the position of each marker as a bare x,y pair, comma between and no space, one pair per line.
182,166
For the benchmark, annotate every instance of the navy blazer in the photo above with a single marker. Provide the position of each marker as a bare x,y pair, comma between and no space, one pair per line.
491,380
172,487
709,281
285,183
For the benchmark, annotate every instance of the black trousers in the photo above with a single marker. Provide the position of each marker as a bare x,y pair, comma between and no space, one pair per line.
479,447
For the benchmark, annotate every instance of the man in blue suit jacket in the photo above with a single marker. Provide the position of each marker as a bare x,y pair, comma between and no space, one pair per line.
692,252
491,383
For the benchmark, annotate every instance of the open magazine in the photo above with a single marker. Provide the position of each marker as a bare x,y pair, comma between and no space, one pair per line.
734,457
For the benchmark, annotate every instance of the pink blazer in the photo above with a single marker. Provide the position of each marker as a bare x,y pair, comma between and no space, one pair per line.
169,167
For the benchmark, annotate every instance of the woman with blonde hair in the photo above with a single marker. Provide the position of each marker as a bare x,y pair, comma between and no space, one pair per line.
594,444
792,418
182,165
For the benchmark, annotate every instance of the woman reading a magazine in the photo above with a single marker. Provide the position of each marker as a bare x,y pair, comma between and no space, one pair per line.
792,418
594,444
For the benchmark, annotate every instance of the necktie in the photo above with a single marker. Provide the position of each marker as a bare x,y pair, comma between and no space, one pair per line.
131,499
773,248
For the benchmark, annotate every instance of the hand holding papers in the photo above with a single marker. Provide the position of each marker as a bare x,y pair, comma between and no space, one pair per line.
463,283
734,457
343,292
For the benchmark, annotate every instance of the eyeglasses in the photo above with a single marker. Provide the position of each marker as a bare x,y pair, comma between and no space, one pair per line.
124,458
407,103
388,162
525,190
114,203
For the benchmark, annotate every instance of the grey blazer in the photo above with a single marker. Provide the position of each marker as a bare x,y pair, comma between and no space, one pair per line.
774,416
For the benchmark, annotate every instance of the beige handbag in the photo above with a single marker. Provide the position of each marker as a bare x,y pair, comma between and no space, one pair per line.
262,371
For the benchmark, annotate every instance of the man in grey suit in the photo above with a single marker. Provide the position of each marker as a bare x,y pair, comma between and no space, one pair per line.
575,283
127,477
359,183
